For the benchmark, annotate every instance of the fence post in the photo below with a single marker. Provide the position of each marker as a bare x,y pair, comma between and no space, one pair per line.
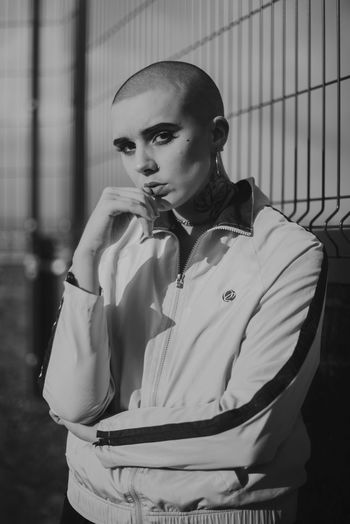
39,261
35,87
79,189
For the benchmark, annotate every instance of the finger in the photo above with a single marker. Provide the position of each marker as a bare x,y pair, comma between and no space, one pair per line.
153,202
147,190
143,195
147,226
152,205
131,205
123,191
149,204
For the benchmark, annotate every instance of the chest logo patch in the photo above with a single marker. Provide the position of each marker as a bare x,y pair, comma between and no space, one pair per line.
228,295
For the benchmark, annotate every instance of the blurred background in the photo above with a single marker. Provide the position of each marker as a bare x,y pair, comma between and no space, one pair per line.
283,67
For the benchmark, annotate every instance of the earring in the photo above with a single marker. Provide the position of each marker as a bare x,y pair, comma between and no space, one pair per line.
217,164
220,170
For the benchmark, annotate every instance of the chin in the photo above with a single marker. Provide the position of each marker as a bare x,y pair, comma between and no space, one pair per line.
164,205
172,201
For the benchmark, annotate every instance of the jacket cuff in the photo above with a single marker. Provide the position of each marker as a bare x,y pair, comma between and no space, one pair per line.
79,294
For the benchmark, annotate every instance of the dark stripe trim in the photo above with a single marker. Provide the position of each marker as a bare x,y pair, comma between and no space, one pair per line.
235,417
70,278
47,355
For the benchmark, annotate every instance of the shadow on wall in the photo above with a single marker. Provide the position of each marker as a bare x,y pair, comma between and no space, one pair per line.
32,459
325,497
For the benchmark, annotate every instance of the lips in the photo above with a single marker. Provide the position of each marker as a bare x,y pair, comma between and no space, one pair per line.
156,189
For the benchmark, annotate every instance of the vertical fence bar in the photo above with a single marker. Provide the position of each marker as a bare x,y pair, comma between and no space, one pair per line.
296,106
272,78
35,274
43,287
200,16
329,218
35,162
230,73
261,58
250,88
212,22
79,189
283,145
239,92
220,46
341,223
308,168
323,109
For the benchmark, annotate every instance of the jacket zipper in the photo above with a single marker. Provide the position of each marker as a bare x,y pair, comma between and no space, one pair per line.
179,285
233,229
181,276
135,498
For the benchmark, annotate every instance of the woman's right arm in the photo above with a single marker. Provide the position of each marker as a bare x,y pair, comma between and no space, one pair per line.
97,234
78,386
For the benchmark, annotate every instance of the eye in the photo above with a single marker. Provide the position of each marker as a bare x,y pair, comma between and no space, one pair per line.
164,137
127,148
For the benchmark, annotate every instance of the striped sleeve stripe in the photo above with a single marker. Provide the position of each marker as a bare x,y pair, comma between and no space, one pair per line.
232,418
48,351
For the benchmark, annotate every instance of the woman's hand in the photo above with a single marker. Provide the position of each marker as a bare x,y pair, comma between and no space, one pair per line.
115,201
87,433
97,234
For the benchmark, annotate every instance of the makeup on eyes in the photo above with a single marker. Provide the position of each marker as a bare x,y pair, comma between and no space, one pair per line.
166,128
124,146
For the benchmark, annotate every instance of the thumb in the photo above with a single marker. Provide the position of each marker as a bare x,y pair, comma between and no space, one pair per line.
147,226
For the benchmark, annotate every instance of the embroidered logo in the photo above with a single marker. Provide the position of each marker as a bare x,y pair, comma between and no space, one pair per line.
229,295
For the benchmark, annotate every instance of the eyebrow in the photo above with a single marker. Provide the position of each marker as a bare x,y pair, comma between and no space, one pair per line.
149,131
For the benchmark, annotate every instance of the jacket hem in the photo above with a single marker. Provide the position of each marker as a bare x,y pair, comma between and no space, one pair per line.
103,511
95,508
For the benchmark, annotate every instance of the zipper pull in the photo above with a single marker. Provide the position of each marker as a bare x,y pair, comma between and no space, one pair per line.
180,280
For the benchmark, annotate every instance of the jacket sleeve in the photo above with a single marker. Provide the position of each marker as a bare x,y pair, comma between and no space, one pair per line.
261,404
78,385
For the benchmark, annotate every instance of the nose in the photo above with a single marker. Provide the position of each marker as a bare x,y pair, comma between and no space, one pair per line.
145,164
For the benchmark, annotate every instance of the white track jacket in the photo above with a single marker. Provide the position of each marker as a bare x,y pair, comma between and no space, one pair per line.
197,379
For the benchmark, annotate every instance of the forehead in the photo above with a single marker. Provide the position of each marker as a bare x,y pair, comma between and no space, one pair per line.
132,115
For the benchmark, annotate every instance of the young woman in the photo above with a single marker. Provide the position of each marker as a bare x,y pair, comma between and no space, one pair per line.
181,382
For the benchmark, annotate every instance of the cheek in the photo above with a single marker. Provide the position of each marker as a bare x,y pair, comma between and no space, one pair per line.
192,154
127,165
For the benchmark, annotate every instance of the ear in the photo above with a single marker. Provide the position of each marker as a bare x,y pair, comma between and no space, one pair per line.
220,129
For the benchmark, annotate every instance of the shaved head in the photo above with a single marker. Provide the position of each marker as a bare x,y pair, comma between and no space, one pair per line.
200,95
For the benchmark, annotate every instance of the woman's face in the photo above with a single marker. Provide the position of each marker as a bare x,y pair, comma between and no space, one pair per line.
162,146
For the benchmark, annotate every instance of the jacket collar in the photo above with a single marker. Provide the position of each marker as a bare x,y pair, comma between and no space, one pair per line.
238,214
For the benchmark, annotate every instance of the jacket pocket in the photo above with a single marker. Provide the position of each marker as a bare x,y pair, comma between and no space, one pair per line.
186,490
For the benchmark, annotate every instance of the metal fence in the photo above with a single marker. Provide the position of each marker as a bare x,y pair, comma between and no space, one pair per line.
283,68
284,71
36,119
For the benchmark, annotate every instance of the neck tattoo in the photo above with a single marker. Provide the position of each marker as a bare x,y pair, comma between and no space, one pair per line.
214,196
